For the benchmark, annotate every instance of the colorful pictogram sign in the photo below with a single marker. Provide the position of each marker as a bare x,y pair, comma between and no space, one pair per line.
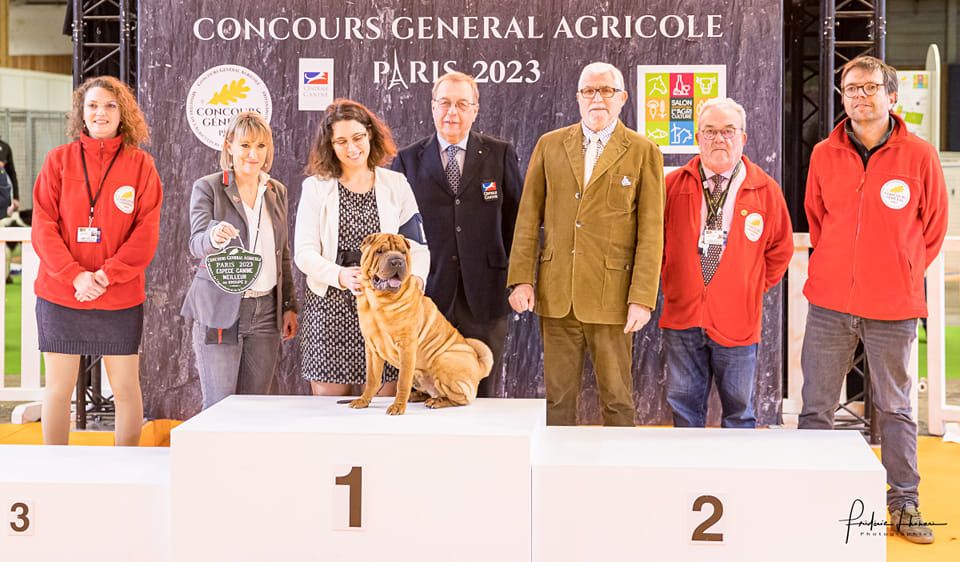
669,99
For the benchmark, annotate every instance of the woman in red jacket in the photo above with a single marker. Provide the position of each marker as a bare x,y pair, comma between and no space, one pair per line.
96,223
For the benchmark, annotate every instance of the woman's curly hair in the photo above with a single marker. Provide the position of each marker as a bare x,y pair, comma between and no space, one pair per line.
133,127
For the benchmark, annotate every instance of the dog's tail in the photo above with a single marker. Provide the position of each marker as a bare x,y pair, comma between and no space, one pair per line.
484,355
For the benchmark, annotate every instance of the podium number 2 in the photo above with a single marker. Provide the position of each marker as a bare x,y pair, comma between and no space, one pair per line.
354,480
20,522
700,533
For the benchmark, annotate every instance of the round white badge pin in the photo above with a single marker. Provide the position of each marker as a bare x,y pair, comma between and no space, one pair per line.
124,199
753,226
895,194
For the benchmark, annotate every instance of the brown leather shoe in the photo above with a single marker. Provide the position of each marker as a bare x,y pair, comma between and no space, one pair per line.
908,523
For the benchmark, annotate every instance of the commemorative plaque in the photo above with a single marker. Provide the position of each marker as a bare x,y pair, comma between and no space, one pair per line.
234,269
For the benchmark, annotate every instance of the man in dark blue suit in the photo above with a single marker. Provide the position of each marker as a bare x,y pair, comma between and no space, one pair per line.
467,186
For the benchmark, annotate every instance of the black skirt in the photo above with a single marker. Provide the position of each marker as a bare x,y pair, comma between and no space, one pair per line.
73,331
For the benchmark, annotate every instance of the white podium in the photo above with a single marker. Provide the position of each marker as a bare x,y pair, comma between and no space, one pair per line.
84,504
304,478
705,494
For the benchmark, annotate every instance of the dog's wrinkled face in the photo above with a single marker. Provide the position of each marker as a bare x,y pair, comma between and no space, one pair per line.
385,261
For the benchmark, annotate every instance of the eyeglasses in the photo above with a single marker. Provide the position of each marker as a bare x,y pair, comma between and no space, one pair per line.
870,88
727,133
606,92
462,105
107,107
355,140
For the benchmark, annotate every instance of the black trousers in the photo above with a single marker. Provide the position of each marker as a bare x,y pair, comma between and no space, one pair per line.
491,332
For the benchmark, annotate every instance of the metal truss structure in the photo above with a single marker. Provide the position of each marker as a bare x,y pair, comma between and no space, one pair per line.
820,36
104,39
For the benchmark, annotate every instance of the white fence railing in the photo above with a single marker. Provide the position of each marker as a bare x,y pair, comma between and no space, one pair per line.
29,380
939,412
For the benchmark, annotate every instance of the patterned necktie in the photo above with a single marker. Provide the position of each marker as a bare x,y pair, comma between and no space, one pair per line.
453,169
590,158
710,259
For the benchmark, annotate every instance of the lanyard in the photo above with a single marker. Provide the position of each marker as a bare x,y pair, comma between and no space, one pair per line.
263,201
256,237
714,209
93,199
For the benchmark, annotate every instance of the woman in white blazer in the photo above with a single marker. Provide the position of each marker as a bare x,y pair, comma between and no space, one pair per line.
347,196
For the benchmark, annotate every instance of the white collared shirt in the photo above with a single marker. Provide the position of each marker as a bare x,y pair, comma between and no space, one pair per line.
604,135
729,203
266,245
461,154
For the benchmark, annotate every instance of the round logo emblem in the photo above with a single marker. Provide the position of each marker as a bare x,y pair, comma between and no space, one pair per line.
124,198
220,93
753,226
895,194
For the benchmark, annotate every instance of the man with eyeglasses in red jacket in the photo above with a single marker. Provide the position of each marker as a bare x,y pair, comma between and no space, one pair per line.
727,240
876,202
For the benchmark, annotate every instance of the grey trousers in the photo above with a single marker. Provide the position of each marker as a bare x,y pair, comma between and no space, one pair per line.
245,367
828,346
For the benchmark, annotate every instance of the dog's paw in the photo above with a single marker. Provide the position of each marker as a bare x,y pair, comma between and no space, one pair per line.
439,402
418,396
359,403
396,409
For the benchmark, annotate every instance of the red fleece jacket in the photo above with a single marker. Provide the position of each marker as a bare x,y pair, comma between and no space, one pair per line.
127,213
759,248
874,230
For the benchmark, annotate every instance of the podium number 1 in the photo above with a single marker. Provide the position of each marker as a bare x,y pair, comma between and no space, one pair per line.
20,518
354,480
700,533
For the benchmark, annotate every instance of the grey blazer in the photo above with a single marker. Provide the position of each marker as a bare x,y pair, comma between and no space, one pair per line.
216,198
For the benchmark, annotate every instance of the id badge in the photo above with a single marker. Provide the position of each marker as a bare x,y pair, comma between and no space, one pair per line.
88,234
711,238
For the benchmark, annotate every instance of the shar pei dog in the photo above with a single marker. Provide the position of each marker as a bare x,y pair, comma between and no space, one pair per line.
403,326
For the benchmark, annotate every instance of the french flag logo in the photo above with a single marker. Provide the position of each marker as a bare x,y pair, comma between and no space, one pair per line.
316,78
489,188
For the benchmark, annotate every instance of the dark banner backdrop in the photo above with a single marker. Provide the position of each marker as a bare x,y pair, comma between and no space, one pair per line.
386,54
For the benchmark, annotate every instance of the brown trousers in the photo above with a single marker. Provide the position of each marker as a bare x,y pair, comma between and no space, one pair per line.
564,342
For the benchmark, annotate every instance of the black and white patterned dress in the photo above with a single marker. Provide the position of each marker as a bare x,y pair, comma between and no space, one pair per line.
331,345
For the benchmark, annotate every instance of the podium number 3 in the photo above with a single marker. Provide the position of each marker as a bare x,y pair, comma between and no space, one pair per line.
700,533
354,479
21,521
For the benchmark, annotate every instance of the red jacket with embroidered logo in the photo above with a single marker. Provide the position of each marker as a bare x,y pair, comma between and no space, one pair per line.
758,250
127,213
874,231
